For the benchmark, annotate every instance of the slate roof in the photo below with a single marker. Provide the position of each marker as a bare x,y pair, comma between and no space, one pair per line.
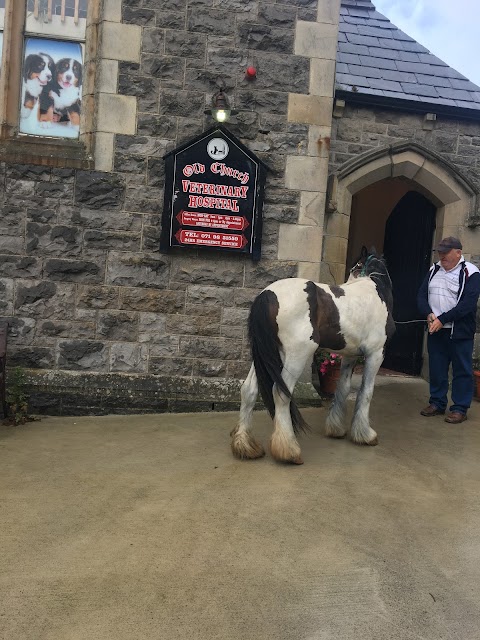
375,59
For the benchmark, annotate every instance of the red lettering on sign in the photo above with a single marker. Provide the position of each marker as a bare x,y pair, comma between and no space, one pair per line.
211,239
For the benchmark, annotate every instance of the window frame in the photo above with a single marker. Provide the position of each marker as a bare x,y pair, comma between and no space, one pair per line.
27,149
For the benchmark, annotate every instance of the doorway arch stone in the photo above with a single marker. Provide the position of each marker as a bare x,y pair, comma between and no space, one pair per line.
454,195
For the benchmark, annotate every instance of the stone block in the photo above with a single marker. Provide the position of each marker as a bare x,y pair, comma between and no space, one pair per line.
97,190
267,271
137,270
83,271
102,241
6,297
206,295
217,271
210,368
212,348
104,143
152,300
192,325
98,297
118,325
116,113
312,208
121,41
66,329
171,366
310,109
328,11
82,355
31,358
306,173
129,358
44,299
322,77
316,40
152,328
108,76
235,317
319,141
300,242
13,266
112,10
335,250
309,271
265,38
337,224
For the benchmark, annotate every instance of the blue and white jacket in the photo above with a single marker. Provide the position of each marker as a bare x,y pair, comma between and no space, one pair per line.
463,314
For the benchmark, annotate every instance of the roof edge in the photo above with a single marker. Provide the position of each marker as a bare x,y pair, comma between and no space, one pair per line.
408,105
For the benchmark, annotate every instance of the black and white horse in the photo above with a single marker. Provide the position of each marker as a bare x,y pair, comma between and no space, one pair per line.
288,321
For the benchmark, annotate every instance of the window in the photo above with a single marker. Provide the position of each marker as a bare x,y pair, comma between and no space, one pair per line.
42,75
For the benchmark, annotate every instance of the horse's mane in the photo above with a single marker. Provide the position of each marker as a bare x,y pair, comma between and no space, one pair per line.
374,266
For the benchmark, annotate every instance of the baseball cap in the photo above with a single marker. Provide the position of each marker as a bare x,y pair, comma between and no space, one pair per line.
449,243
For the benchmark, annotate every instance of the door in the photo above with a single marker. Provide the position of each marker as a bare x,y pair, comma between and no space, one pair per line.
407,249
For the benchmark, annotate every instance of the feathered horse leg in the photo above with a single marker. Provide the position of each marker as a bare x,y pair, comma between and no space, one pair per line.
283,444
361,431
244,445
335,423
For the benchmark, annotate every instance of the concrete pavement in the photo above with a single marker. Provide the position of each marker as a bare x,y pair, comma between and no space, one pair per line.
145,527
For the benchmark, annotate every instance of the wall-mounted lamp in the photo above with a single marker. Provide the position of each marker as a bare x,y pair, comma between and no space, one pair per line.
221,110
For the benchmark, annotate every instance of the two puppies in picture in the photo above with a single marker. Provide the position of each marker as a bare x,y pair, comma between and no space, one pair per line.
53,90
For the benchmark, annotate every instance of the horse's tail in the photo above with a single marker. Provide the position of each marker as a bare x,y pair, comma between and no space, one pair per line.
265,345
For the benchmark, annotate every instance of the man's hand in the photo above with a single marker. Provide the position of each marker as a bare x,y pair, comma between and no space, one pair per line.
434,323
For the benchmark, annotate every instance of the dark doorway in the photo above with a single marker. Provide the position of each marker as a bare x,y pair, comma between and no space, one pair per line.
407,248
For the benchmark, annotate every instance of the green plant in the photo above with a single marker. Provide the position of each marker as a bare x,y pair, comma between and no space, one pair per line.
17,399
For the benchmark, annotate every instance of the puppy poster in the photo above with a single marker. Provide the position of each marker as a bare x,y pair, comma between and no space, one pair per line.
51,100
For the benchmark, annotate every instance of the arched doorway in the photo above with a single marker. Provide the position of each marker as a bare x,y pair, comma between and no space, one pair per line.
408,248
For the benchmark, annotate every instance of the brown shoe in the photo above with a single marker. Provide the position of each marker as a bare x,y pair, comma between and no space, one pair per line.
455,417
432,410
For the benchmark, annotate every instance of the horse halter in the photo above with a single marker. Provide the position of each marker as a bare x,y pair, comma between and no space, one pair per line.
363,271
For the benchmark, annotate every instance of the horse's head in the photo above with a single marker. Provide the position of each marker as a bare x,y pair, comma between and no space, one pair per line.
369,262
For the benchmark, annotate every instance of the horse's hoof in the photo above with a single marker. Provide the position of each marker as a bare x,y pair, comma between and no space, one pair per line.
372,443
297,460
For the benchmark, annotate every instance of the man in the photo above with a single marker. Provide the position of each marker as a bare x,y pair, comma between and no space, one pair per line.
448,299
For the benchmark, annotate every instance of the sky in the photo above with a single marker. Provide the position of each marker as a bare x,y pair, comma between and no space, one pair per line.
447,28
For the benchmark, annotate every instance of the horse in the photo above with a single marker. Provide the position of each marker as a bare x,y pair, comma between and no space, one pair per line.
289,320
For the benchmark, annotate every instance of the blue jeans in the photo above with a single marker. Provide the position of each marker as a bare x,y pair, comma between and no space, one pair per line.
443,351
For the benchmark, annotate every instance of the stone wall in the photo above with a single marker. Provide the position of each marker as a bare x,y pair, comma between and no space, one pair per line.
361,129
99,318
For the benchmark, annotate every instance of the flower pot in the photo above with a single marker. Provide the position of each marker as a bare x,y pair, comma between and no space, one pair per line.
328,382
476,385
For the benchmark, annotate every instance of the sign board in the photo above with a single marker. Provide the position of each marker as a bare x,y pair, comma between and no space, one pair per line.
214,188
